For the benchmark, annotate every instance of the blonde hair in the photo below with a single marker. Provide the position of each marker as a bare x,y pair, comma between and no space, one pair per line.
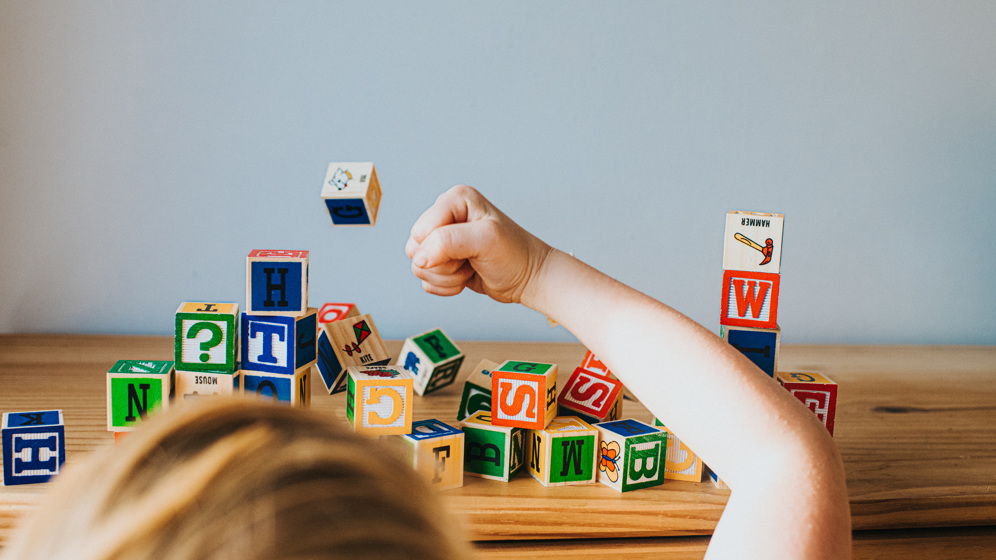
240,479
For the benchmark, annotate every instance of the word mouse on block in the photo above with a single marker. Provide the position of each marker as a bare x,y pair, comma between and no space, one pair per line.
816,391
135,389
524,394
477,391
753,241
192,385
494,452
379,400
34,446
563,453
591,397
631,455
207,337
433,359
351,193
436,451
277,282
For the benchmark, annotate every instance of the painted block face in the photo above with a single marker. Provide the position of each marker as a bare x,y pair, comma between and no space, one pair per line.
750,299
680,463
34,446
595,366
291,390
631,455
524,394
563,453
337,311
354,342
277,282
277,343
477,391
716,481
330,369
494,452
759,345
207,337
351,193
815,391
753,241
135,389
432,359
438,453
591,395
193,385
379,400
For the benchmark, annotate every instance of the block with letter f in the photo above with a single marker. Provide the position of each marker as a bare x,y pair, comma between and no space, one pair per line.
750,299
277,282
524,394
436,450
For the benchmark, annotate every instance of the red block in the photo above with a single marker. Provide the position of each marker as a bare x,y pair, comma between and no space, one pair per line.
590,394
750,299
815,391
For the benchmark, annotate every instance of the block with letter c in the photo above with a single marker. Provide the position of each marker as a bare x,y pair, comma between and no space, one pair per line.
379,400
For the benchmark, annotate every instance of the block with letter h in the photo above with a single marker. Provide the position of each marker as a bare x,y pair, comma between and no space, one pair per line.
291,390
135,389
349,342
330,312
591,397
277,282
433,359
680,463
759,345
563,453
351,193
436,450
279,343
815,391
379,400
477,391
494,452
207,337
631,455
34,446
524,394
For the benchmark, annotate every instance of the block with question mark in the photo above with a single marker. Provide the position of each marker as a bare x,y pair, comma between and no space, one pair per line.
277,282
351,193
135,389
207,337
279,344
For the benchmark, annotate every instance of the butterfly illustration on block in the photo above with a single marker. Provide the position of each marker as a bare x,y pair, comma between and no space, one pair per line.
609,463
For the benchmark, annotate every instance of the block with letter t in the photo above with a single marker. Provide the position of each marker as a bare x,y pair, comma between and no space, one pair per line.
477,391
379,400
495,452
750,299
818,392
207,337
433,359
436,451
292,390
591,397
524,394
277,282
631,455
279,343
759,345
34,446
135,389
351,193
563,453
680,463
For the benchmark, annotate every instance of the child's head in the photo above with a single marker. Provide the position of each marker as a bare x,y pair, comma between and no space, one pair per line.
239,479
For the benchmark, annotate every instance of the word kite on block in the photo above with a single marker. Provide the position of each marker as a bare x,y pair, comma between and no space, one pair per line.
351,193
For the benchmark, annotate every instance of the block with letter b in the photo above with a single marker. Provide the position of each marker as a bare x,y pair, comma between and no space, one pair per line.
753,241
379,400
351,193
563,453
816,391
631,455
436,451
495,452
330,312
750,299
432,359
207,337
279,343
34,446
759,345
477,391
354,341
135,389
277,282
591,397
523,394
680,463
292,390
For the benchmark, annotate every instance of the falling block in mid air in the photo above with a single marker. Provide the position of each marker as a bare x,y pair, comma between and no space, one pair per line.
351,193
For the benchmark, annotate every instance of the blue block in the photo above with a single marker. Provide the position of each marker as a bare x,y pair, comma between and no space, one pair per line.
428,429
34,446
759,346
629,428
278,344
276,286
275,387
347,211
329,367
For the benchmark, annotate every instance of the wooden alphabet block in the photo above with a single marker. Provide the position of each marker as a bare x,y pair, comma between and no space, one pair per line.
34,446
207,337
279,343
495,452
292,390
716,481
591,397
631,455
594,365
433,359
349,342
753,241
680,463
191,385
815,391
351,193
563,453
336,312
523,394
750,299
437,453
135,389
277,282
477,391
379,400
759,345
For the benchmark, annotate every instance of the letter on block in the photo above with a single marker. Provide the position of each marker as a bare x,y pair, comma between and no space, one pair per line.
293,390
192,385
477,391
679,463
591,397
631,455
277,343
815,391
759,345
433,359
336,312
135,389
753,241
750,299
277,282
436,451
564,452
34,446
523,394
594,365
355,342
207,337
495,452
379,400
351,193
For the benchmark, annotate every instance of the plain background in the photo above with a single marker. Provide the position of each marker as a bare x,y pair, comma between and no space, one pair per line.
147,147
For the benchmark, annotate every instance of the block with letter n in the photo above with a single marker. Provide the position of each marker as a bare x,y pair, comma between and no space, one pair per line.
207,337
818,392
680,463
591,397
135,389
432,359
750,299
523,394
494,452
277,282
631,455
379,400
477,391
34,446
351,193
279,344
291,390
759,345
436,450
563,453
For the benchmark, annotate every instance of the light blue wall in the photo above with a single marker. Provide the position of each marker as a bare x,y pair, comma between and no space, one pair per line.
146,148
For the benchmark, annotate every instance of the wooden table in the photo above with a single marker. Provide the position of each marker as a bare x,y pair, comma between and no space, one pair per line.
916,427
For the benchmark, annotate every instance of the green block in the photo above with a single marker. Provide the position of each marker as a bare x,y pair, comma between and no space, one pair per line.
158,367
206,341
644,461
134,398
350,398
572,459
474,399
436,346
525,367
485,452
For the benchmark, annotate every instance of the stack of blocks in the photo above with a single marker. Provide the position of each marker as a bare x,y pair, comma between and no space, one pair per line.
436,450
433,359
34,446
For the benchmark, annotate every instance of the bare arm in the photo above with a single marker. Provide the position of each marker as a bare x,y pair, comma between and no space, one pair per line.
789,497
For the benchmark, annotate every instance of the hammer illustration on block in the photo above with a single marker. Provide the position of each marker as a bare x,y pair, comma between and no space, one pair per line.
767,250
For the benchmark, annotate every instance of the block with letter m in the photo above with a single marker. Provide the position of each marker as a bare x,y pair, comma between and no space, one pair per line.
524,394
818,392
750,299
34,446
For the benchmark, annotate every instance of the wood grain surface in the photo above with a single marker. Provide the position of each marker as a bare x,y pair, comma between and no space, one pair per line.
916,427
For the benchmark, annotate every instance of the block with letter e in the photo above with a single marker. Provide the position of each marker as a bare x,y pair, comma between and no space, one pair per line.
436,451
292,390
379,400
494,452
563,453
680,463
477,391
631,455
207,337
135,389
591,397
753,241
759,345
523,394
351,193
750,299
818,392
277,282
34,446
432,359
278,343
